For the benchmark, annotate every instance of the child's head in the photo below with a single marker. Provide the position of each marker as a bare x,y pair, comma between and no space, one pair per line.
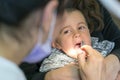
72,33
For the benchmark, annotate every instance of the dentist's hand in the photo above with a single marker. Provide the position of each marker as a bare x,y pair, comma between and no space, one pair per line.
91,64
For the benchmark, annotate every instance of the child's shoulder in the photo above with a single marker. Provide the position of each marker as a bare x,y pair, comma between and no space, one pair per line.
104,46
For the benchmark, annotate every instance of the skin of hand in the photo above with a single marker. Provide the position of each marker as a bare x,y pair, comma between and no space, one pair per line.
112,70
91,67
118,76
68,72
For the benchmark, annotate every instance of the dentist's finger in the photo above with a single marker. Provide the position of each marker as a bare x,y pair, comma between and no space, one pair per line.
81,59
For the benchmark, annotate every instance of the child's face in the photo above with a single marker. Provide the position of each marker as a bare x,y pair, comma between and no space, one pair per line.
72,33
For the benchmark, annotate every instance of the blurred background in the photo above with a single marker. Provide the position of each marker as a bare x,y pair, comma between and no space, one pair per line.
116,20
113,7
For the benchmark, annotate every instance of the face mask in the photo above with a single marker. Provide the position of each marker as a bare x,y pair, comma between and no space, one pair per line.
40,50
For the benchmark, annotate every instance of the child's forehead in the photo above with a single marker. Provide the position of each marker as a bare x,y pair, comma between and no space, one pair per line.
63,21
70,21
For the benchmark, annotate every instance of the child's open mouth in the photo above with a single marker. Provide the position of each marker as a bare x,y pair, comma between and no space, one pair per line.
79,44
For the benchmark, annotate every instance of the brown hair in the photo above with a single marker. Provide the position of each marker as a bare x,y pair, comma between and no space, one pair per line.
91,11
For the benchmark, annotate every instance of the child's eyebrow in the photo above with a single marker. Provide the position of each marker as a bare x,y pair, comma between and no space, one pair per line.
81,23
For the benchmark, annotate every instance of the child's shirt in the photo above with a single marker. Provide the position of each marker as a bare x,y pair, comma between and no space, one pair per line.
59,59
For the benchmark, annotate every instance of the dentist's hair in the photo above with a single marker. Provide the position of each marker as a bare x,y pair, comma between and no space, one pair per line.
12,12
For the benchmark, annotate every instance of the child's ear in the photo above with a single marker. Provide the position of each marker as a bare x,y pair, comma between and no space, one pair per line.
56,45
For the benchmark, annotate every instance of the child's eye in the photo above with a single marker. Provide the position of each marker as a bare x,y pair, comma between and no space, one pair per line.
66,31
82,28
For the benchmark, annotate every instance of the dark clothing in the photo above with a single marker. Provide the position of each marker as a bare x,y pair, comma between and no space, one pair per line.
110,32
29,70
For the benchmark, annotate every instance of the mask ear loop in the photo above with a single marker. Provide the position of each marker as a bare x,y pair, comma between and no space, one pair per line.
47,45
50,33
52,26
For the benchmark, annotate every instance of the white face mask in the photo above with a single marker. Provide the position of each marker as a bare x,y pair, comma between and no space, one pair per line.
41,50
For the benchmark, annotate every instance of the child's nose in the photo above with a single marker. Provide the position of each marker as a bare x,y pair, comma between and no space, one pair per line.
77,35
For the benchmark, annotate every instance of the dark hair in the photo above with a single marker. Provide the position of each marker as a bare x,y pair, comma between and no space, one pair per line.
13,11
91,11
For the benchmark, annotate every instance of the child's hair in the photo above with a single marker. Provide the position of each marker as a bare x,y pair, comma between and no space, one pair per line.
69,10
91,11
